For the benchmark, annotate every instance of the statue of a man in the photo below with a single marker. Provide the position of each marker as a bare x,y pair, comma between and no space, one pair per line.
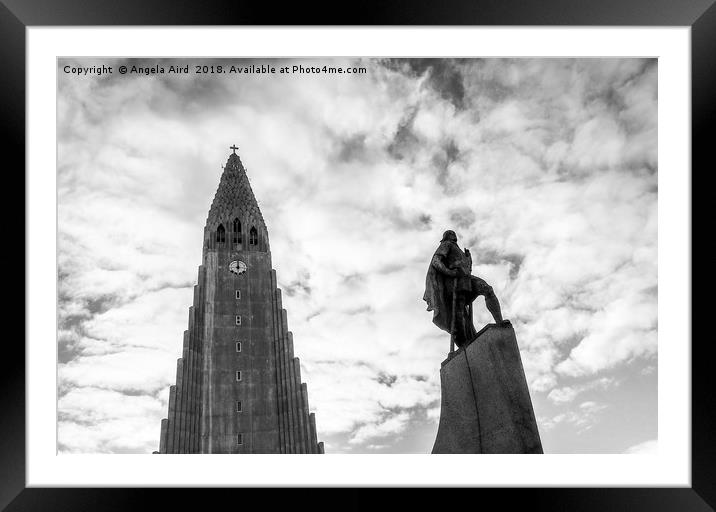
450,289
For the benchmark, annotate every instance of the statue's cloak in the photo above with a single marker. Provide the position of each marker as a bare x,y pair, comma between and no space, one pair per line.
438,295
439,287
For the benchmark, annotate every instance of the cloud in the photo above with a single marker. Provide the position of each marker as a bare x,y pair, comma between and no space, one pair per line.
630,331
93,420
568,393
389,425
581,418
546,168
647,447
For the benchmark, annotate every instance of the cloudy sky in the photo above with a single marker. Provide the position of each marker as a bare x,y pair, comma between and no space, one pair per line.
546,169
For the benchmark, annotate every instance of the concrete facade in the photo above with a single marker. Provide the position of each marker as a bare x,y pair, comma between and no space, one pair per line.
485,402
238,384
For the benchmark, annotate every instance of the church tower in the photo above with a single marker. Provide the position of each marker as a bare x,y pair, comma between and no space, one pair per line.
238,385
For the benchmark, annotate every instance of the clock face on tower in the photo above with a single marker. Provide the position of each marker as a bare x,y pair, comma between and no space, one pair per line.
237,267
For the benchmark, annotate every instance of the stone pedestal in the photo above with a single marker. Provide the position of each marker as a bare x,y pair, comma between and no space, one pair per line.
485,403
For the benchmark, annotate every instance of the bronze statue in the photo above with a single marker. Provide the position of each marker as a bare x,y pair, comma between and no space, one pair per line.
450,289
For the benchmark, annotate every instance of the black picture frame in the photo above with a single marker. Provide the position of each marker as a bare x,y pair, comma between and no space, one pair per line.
17,15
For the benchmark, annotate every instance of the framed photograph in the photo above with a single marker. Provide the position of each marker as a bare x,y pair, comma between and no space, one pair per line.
433,247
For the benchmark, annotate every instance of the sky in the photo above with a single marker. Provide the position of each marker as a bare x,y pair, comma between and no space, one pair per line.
545,168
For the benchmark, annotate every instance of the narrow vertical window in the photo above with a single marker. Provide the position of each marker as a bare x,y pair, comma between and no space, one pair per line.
239,439
238,406
238,376
238,319
220,234
238,346
238,294
237,231
253,236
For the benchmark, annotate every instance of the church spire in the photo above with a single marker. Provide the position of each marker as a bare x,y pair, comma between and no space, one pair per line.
234,196
238,386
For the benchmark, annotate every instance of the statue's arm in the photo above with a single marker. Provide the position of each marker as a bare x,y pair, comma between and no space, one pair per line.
439,265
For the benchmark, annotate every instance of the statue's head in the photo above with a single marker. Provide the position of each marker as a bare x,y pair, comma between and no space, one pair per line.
449,235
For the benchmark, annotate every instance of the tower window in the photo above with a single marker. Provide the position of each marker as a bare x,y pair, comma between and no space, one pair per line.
239,439
238,406
237,231
238,319
221,234
238,346
253,236
238,294
238,376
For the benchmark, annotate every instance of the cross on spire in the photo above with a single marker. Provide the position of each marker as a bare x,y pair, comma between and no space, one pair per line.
234,148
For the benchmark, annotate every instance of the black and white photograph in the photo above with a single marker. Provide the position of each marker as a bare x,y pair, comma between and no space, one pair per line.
357,255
